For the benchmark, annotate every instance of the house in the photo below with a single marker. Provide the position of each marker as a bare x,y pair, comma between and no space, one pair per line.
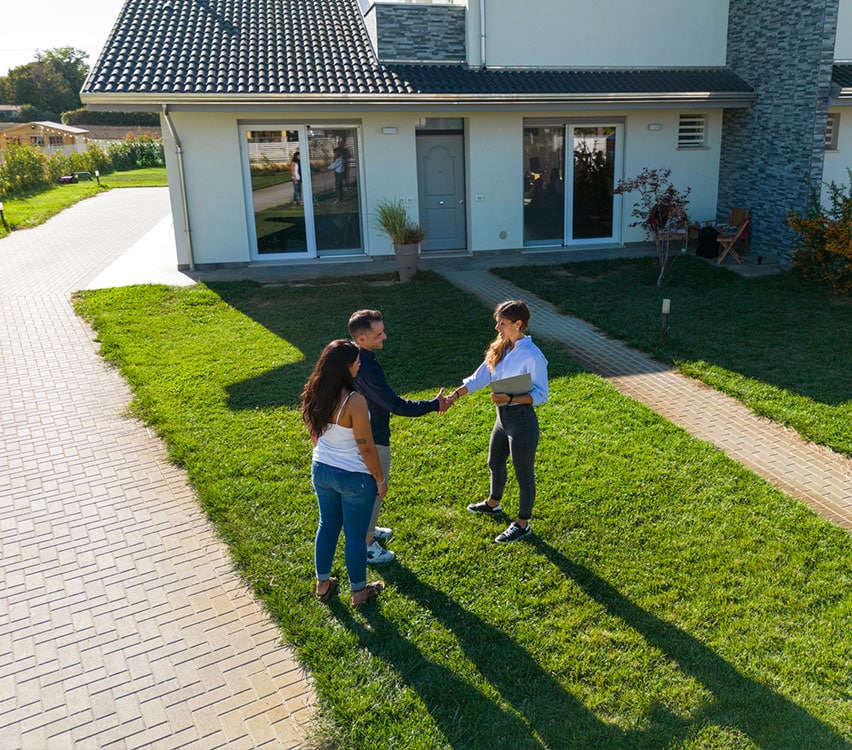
501,124
50,137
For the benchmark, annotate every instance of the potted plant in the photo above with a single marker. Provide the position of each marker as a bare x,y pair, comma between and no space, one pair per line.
660,210
392,219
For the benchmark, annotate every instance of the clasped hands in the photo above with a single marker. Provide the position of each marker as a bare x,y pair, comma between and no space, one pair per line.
445,402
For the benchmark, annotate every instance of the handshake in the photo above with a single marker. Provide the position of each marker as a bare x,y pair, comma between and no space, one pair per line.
445,402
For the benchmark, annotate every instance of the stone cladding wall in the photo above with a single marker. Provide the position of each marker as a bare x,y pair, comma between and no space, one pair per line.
422,33
772,152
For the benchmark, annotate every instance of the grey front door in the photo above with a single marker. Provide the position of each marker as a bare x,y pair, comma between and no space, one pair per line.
440,183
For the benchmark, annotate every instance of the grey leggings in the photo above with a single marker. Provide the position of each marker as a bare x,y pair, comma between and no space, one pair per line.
515,434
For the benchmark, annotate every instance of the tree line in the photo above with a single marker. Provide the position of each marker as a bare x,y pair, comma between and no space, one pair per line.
49,89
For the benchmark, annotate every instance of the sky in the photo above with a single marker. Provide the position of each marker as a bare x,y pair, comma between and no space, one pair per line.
47,24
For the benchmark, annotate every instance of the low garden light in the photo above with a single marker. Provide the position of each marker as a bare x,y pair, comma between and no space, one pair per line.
667,303
98,176
3,217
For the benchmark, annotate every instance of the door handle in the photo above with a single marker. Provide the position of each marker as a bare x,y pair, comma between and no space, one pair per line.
440,203
461,202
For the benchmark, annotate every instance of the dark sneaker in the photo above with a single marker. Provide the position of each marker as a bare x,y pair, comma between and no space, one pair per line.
514,533
485,509
378,555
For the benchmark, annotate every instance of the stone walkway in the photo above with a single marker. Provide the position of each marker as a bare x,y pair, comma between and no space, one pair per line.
122,623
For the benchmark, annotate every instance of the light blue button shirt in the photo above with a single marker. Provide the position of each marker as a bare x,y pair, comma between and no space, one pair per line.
525,356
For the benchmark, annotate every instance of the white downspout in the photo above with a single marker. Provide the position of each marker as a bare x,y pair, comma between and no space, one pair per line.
482,34
182,182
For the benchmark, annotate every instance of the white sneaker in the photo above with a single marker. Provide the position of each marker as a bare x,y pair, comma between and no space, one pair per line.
377,555
383,533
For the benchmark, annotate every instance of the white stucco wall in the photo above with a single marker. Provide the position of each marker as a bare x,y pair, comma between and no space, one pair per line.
606,33
837,162
214,187
843,40
220,219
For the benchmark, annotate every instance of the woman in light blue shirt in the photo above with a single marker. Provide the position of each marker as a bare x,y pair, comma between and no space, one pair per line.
515,431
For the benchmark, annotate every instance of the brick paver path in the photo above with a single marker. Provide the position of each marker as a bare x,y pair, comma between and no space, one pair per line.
814,474
122,623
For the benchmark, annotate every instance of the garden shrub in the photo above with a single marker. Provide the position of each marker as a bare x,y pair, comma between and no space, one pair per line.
23,167
137,152
824,241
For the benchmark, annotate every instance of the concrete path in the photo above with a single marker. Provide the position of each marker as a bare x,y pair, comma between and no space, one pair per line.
122,623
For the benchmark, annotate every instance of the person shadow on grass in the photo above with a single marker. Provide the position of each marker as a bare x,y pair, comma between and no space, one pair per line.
535,710
767,718
540,712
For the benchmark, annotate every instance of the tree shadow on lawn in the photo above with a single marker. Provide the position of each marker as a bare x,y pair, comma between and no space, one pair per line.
767,718
541,712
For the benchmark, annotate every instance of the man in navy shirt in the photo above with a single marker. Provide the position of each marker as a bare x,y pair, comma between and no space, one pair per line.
368,331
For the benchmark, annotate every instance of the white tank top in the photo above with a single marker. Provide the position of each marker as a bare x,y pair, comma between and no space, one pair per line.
337,447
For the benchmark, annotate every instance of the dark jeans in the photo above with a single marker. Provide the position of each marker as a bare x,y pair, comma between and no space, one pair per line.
345,501
515,434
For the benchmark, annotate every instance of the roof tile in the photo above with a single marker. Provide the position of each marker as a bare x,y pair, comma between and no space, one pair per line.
294,47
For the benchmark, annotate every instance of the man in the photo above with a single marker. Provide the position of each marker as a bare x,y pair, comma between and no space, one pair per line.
368,331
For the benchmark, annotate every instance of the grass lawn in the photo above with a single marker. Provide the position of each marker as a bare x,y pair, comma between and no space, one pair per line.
780,344
668,598
35,208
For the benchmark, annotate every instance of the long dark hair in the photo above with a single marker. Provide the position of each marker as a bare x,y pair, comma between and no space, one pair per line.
331,375
514,310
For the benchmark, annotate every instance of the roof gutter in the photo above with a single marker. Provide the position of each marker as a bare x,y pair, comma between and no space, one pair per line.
182,182
151,101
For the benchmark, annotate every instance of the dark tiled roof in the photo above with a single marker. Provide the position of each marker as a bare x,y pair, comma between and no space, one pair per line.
841,74
321,47
447,79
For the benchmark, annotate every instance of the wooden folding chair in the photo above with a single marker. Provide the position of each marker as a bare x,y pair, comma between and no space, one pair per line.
726,243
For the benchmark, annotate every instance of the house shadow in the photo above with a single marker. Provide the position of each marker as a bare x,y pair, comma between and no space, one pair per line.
409,366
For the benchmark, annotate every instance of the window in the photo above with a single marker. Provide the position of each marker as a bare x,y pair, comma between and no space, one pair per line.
37,140
831,131
55,140
690,132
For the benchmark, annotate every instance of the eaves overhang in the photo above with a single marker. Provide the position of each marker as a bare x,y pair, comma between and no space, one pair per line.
367,102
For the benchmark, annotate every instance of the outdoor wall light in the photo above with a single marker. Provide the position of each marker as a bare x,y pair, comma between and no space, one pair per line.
389,131
655,126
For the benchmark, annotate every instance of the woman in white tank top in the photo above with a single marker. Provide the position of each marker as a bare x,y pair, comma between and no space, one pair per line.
345,470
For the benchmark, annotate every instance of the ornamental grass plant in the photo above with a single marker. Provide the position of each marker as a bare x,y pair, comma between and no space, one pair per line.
668,598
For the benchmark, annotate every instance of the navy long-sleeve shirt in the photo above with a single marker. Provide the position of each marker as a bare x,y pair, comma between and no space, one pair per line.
382,401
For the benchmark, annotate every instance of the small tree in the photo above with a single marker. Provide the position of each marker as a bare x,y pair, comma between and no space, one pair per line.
660,211
824,248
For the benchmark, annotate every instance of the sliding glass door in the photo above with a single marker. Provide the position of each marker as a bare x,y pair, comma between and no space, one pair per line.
303,191
568,196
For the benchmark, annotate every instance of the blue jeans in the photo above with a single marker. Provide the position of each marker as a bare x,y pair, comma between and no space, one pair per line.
346,501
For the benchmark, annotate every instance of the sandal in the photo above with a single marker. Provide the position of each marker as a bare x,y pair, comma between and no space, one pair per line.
372,589
329,592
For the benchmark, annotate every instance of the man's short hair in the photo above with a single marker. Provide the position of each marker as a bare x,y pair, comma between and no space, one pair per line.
361,321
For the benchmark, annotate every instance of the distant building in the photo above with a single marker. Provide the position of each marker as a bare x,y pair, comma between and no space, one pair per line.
51,137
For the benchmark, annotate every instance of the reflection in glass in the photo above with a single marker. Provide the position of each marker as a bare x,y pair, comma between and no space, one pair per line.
544,185
279,213
334,178
594,172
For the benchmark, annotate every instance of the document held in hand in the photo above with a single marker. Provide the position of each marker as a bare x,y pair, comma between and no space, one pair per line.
516,385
